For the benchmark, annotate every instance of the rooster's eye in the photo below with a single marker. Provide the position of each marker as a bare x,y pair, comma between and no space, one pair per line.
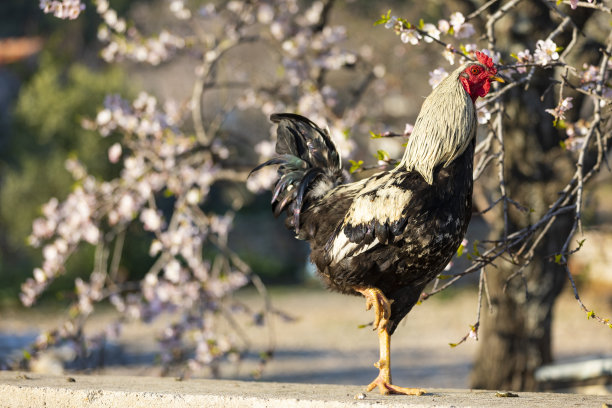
475,70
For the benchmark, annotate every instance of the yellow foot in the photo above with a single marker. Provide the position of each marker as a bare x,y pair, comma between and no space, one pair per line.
386,388
382,306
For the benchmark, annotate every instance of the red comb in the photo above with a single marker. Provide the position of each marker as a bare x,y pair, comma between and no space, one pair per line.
485,60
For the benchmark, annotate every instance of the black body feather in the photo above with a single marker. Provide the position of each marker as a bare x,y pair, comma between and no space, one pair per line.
393,231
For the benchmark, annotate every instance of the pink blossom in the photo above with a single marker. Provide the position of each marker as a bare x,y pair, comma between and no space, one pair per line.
408,129
563,106
523,57
114,153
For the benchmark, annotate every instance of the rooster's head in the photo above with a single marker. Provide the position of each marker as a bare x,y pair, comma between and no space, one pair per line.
477,76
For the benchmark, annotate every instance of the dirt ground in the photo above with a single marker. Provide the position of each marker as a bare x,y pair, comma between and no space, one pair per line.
325,345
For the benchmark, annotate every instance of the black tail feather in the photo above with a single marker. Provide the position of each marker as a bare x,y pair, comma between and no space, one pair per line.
306,155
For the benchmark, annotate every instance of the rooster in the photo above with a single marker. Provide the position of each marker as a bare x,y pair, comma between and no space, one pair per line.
385,237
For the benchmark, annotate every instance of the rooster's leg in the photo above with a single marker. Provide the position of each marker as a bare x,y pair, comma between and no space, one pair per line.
382,310
382,307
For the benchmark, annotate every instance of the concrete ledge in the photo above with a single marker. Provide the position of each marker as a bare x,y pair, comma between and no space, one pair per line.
34,390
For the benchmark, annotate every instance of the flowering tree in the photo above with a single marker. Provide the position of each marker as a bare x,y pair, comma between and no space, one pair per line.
177,151
174,153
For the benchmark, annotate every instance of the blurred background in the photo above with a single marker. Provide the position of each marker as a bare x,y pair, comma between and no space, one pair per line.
52,78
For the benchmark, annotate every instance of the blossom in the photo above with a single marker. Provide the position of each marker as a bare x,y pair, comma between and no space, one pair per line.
172,271
460,27
482,113
563,106
589,73
448,54
576,135
436,76
114,153
150,219
265,13
546,52
177,7
523,57
391,22
408,129
410,35
444,26
432,32
495,56
66,9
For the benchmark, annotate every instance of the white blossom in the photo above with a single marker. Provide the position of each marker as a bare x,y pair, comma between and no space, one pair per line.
151,220
546,52
444,26
114,153
65,9
410,35
432,31
482,113
448,54
172,271
436,76
460,27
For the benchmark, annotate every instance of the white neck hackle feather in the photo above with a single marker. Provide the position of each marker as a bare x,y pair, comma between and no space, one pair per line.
444,128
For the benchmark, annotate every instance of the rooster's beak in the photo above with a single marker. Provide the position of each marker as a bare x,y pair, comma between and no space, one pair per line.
496,78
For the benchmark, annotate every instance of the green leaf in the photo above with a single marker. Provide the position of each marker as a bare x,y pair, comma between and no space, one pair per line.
443,277
581,243
558,259
590,314
563,145
559,2
374,135
513,55
476,252
460,250
362,326
383,18
559,49
421,23
27,355
355,165
452,344
382,155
